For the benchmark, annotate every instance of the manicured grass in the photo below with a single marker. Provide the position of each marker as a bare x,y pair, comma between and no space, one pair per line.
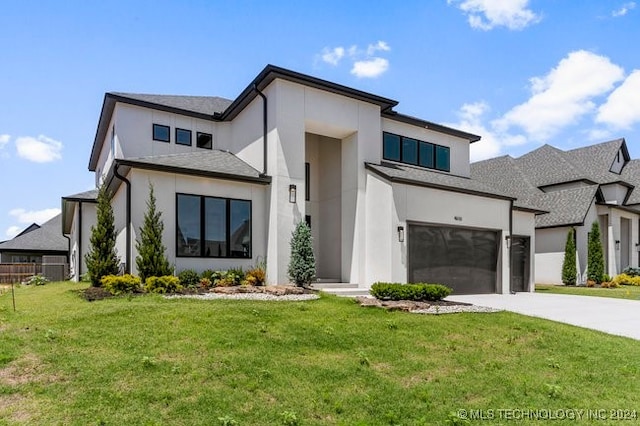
623,292
149,360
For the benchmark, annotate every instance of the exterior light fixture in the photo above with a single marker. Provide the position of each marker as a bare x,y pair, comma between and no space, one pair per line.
617,244
292,194
508,240
401,234
637,246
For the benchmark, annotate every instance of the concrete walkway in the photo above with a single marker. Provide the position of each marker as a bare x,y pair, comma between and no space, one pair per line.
614,316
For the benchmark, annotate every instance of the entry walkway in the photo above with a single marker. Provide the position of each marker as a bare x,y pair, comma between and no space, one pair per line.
614,316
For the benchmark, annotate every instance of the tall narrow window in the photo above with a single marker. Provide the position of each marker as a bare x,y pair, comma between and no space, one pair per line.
442,158
183,137
426,155
215,227
188,230
240,228
204,140
409,151
391,147
161,133
307,181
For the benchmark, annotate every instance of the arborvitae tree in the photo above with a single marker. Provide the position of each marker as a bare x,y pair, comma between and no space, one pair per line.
569,269
102,258
302,264
595,256
151,260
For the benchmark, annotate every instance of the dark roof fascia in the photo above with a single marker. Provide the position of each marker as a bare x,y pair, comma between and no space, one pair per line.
564,225
619,207
262,180
272,72
530,210
160,107
436,186
77,200
586,181
66,201
625,155
43,252
392,115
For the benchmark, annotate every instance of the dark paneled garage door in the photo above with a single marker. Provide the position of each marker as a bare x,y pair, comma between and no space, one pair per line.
463,259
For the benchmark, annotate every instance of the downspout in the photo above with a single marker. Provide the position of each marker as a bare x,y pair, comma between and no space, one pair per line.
79,273
127,262
510,243
264,128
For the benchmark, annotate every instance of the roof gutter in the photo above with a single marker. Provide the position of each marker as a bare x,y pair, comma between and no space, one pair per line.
264,128
127,262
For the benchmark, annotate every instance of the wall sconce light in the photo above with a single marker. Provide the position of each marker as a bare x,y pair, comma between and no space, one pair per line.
637,246
617,244
292,193
401,234
508,240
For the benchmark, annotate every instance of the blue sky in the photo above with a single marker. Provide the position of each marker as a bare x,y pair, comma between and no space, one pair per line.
519,73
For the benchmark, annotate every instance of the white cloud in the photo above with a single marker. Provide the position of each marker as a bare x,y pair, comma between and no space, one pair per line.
488,14
12,231
4,139
332,56
40,150
370,68
564,95
28,217
364,62
598,135
622,108
624,9
379,46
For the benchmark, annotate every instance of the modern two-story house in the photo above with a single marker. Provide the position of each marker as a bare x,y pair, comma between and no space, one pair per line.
388,197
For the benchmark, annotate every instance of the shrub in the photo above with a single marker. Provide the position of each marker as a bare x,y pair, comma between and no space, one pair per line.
189,278
151,259
416,292
302,264
205,283
36,280
102,258
256,276
569,270
164,284
120,284
625,279
595,256
631,271
210,274
607,277
609,284
232,277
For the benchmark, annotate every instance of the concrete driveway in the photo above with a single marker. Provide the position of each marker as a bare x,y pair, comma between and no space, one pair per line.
614,316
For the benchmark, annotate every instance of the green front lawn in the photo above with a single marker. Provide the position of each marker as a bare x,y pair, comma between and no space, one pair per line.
623,292
153,361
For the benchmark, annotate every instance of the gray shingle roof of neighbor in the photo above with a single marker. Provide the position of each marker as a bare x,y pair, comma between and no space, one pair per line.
86,195
631,174
208,105
564,207
423,177
46,238
214,163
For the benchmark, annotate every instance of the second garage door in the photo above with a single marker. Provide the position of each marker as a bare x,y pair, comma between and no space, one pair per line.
464,259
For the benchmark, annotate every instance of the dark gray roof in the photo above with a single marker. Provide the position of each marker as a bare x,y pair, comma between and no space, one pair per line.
208,105
90,195
631,174
46,238
547,166
564,207
594,162
214,163
423,177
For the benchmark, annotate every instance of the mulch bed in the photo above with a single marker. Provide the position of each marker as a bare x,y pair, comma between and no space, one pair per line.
404,305
98,293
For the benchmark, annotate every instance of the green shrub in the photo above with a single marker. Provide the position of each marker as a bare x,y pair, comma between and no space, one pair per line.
631,271
624,279
120,284
36,280
209,274
255,276
302,263
229,278
416,292
189,278
205,283
569,270
595,256
164,284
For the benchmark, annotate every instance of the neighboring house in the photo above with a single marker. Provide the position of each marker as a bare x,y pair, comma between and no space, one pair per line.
577,187
34,242
79,214
388,197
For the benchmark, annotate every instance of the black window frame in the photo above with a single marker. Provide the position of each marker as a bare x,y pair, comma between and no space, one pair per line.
163,126
307,181
202,214
198,134
419,162
178,129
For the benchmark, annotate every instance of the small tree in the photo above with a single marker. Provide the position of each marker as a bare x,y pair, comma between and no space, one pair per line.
102,258
302,264
569,270
151,260
595,256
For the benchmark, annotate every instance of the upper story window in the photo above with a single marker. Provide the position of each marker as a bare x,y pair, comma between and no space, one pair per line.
204,140
161,133
183,137
415,152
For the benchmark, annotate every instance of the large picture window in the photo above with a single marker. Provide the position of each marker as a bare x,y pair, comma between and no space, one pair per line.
412,151
213,227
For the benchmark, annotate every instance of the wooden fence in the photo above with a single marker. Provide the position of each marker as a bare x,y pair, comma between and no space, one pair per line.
19,272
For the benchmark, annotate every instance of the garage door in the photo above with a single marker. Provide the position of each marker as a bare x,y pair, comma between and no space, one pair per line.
463,259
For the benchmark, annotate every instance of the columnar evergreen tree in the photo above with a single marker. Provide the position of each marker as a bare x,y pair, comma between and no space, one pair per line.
302,264
595,256
569,270
151,260
102,258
